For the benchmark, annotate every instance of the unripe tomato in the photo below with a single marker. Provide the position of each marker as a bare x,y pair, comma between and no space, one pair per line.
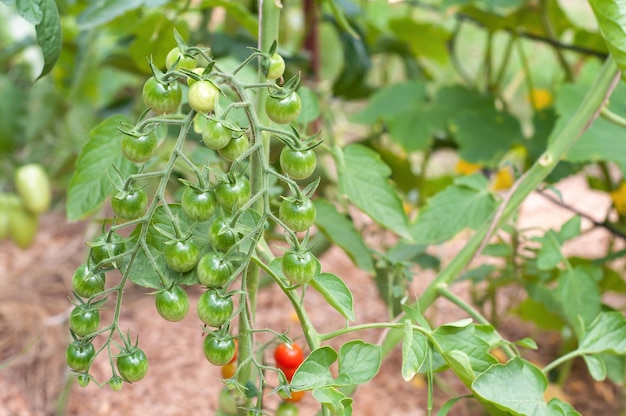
277,67
299,267
198,205
84,320
283,110
203,95
78,355
83,379
287,409
86,283
162,98
116,383
33,186
297,214
130,205
139,149
182,255
214,270
22,225
7,203
198,71
236,147
132,364
214,309
172,304
227,402
218,351
178,60
221,235
232,195
215,135
298,164
101,249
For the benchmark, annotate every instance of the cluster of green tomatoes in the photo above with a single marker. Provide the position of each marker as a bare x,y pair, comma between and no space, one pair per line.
208,234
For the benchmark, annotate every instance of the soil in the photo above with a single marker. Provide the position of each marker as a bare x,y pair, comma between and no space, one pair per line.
34,290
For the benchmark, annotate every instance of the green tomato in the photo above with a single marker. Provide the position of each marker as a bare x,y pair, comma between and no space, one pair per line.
33,186
214,270
7,203
84,320
199,71
83,379
277,67
299,267
130,205
232,195
218,351
298,164
203,95
286,409
182,255
139,149
22,225
132,364
178,60
162,98
198,205
283,110
221,235
86,283
215,135
227,402
214,309
297,214
78,355
116,383
102,250
235,148
172,304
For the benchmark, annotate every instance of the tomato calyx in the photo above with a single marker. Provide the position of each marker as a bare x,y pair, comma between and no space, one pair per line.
285,90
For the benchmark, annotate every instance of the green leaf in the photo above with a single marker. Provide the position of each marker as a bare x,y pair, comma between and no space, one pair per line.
333,399
30,10
515,387
571,229
314,372
90,185
462,336
336,293
580,298
103,11
610,15
606,334
431,43
443,411
49,35
549,255
392,101
359,362
339,229
484,136
452,210
558,408
596,366
310,106
460,364
364,181
414,349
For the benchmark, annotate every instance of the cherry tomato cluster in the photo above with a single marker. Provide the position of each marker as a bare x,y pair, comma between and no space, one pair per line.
202,229
20,211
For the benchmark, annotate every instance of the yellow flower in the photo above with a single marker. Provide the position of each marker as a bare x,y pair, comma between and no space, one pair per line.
503,179
466,168
540,98
619,198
